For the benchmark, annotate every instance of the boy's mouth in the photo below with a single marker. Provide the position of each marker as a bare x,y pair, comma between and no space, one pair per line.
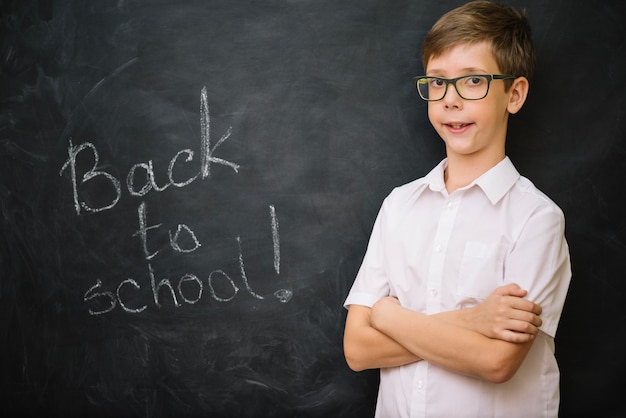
457,125
458,128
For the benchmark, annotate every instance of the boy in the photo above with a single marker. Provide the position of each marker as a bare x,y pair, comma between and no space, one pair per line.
442,302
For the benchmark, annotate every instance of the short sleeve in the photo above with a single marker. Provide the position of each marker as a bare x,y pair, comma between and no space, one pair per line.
540,263
371,282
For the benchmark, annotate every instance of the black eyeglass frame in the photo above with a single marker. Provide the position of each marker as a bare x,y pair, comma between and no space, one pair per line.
448,81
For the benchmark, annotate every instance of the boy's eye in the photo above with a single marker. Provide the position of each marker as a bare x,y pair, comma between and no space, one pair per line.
474,81
437,82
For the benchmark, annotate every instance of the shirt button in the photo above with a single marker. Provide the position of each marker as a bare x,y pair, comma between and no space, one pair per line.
420,384
434,292
438,248
451,205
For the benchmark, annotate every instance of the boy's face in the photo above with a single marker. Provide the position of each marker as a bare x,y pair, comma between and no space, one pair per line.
474,128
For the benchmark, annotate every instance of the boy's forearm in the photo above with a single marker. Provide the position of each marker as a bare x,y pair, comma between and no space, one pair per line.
447,345
504,316
459,318
367,348
463,318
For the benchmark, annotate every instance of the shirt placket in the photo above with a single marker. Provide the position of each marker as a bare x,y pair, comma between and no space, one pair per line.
439,250
445,225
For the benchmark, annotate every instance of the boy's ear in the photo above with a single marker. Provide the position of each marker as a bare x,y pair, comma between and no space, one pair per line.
517,94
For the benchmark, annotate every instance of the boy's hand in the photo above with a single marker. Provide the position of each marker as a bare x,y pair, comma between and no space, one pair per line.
506,316
381,309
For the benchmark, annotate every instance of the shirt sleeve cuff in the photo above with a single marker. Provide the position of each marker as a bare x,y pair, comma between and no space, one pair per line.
364,299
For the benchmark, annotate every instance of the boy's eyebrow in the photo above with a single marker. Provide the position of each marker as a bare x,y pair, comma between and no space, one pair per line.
469,70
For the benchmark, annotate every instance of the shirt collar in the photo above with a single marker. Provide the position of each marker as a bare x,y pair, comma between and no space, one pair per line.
495,183
499,180
435,179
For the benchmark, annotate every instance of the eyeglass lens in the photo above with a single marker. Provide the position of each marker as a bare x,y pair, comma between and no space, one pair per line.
471,87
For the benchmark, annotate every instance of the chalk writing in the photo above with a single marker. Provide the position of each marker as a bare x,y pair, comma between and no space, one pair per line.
275,239
174,239
190,278
126,308
141,180
207,157
110,300
89,175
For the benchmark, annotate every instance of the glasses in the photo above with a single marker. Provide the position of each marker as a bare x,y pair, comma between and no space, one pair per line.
469,87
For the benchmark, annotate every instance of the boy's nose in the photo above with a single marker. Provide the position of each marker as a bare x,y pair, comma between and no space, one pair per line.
452,98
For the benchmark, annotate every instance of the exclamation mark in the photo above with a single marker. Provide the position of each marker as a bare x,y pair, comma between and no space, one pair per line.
275,239
284,295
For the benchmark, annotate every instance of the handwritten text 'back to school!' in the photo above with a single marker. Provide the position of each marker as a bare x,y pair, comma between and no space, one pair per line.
103,301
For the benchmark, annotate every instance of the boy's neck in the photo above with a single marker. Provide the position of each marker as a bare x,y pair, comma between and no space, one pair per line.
464,169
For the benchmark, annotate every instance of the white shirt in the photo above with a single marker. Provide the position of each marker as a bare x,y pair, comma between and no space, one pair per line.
437,252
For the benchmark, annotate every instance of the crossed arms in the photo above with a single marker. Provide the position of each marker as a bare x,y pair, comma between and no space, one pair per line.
489,341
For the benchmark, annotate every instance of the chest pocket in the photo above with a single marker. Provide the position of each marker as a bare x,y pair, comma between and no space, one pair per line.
480,272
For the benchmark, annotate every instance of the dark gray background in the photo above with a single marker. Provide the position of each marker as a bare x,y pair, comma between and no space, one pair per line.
324,123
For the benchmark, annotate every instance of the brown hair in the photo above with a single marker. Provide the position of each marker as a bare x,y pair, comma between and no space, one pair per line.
505,28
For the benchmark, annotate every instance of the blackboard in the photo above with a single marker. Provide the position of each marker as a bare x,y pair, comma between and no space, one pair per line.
187,189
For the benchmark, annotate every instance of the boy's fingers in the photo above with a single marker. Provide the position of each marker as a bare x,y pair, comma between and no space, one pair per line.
511,289
533,319
527,317
525,305
518,337
526,328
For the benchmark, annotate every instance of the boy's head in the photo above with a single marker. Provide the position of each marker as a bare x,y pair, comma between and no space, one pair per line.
504,28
